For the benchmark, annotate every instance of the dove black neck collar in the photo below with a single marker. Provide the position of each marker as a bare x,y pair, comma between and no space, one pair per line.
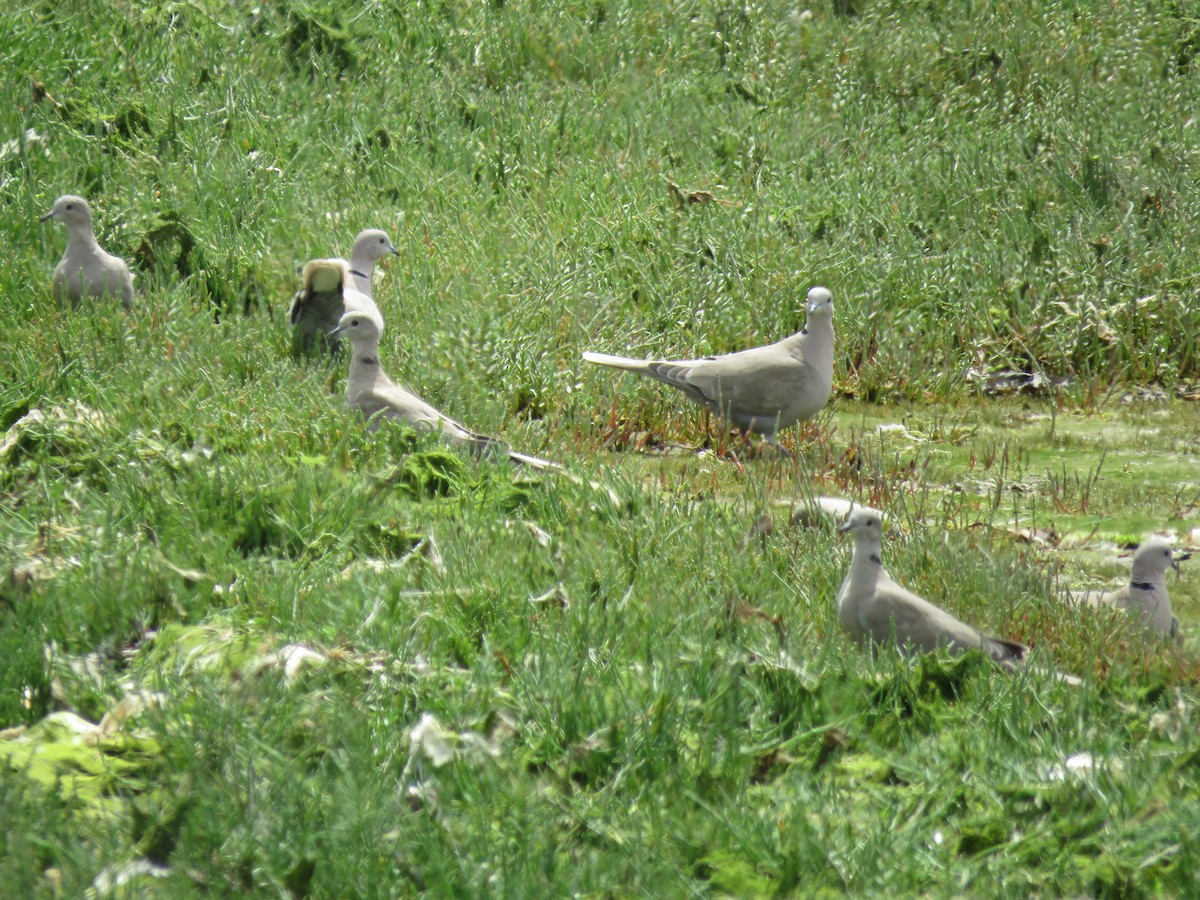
1141,585
874,557
357,274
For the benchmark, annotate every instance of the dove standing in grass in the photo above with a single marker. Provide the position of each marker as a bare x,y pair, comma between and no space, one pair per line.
86,270
761,390
376,396
871,607
1146,593
370,246
318,306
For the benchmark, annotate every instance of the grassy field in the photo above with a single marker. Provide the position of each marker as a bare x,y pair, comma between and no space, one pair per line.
326,663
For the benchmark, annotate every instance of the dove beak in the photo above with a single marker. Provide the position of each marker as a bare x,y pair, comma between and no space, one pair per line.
844,527
49,215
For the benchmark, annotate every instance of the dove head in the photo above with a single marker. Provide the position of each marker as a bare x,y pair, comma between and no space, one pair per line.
1152,559
358,328
865,525
72,211
820,302
371,245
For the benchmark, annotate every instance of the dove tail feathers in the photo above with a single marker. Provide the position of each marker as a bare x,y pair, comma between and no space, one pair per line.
534,462
545,465
1007,653
485,447
297,306
618,362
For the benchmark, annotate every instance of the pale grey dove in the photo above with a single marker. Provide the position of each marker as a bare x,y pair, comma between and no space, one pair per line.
86,270
1146,594
370,391
872,607
318,306
762,390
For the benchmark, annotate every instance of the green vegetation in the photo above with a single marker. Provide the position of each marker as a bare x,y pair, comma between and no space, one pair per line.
339,664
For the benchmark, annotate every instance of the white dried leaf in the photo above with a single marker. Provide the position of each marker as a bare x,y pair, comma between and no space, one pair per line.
117,876
556,596
1082,765
191,576
433,553
26,143
433,739
539,534
296,657
128,707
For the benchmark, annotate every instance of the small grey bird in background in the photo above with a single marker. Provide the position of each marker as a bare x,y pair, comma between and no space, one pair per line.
86,270
317,307
370,391
761,390
1146,594
872,607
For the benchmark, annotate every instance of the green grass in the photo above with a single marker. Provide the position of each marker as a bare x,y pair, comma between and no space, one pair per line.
645,698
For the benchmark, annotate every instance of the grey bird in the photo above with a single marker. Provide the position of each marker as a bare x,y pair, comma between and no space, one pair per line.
761,390
871,607
317,307
370,391
86,270
1146,594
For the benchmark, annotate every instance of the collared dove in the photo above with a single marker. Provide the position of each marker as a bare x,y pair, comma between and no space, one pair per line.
763,389
318,306
1146,594
86,270
370,246
871,607
376,396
